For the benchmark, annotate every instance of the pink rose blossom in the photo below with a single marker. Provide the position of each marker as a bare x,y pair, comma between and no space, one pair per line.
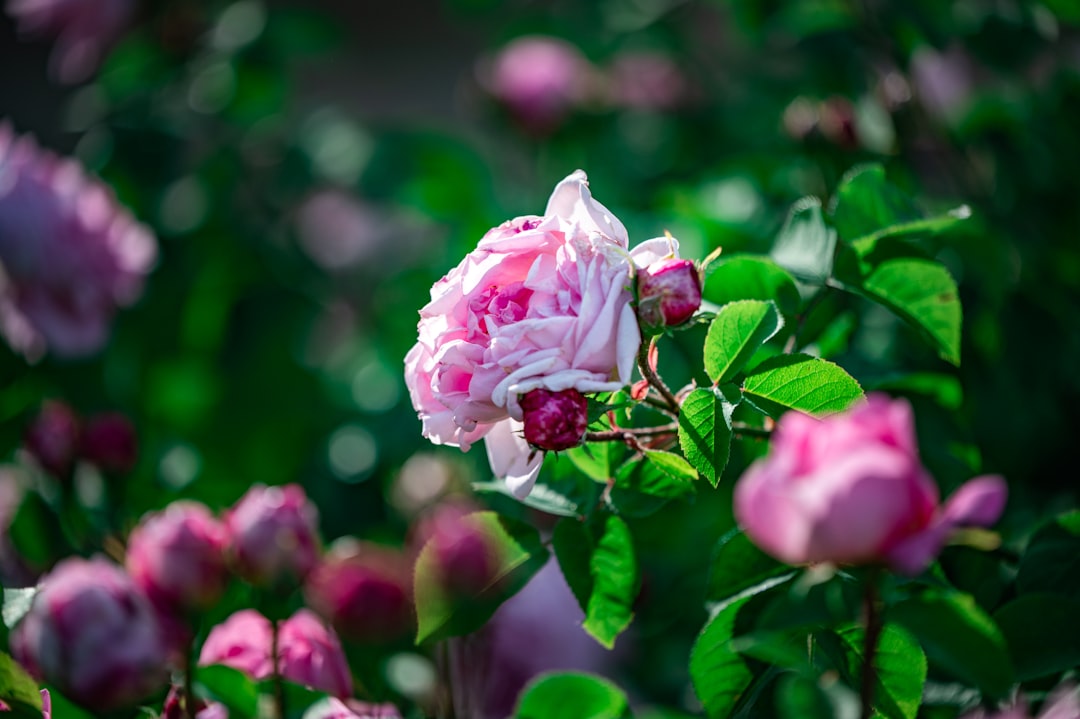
84,31
69,254
178,557
541,302
309,653
273,534
850,489
92,634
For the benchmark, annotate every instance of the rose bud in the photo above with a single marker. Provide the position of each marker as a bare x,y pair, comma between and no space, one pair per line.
52,438
331,708
850,489
109,441
465,556
364,591
669,292
177,557
273,534
308,652
92,634
555,420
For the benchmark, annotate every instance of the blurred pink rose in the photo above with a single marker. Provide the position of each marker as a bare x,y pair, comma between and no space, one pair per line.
364,590
69,254
646,81
331,708
539,79
541,302
465,555
309,653
84,31
92,634
273,534
850,489
177,556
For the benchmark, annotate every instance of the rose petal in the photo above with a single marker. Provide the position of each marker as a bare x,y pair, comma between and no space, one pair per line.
511,457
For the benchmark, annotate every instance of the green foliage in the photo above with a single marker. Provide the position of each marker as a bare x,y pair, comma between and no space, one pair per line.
1042,634
572,695
232,688
806,244
749,277
705,431
1052,560
800,382
736,333
18,690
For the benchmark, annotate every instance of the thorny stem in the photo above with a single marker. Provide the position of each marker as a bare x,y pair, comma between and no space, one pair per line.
872,617
654,379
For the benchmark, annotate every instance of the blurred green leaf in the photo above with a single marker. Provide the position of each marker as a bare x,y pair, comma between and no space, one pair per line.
800,382
738,330
614,569
573,549
17,603
665,475
1051,562
439,614
737,564
801,698
1042,634
571,695
598,460
18,690
236,690
805,245
750,277
900,668
705,432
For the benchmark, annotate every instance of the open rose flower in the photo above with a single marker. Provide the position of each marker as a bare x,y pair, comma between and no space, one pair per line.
542,302
70,255
850,489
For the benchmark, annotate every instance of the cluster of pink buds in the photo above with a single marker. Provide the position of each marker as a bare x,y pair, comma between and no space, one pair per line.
58,437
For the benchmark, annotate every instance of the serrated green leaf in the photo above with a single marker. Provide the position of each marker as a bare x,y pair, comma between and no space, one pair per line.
923,294
439,614
571,695
899,664
1042,634
738,565
800,382
738,330
705,432
1051,562
959,638
614,571
232,688
720,675
598,460
749,277
806,244
18,690
648,477
672,465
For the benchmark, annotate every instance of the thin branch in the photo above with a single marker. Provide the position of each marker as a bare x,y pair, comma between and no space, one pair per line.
620,435
872,617
654,379
745,430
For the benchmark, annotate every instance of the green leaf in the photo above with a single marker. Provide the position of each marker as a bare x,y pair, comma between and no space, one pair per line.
923,294
1051,562
738,330
18,690
672,465
806,245
705,432
720,675
236,690
571,695
542,498
598,460
614,569
749,277
738,565
1042,634
959,638
800,698
440,615
573,547
17,603
666,476
800,382
900,666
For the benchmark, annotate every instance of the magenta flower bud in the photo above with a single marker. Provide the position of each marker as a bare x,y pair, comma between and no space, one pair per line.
555,420
92,634
850,489
309,653
364,591
178,557
465,556
109,441
273,534
669,292
52,438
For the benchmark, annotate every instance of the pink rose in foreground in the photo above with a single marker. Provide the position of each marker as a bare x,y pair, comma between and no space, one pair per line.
69,254
309,653
539,79
850,489
84,31
92,634
273,534
542,302
178,557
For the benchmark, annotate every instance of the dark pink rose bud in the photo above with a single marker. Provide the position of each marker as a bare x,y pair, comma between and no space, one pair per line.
92,634
309,653
109,441
669,292
273,534
465,555
178,557
555,420
52,438
364,590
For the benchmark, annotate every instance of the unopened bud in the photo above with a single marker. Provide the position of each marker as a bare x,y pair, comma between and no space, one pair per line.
109,441
465,555
273,534
52,438
669,292
555,420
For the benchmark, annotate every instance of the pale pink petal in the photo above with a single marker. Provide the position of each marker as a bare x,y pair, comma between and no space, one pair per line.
978,502
511,457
